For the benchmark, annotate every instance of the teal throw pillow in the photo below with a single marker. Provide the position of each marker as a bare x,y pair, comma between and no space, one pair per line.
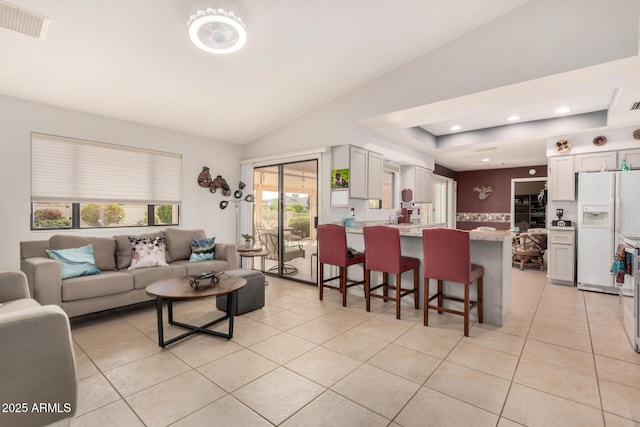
202,250
75,261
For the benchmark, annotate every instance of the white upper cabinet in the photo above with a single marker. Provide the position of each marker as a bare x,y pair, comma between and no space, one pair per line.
365,170
419,180
562,180
358,165
375,164
595,162
631,156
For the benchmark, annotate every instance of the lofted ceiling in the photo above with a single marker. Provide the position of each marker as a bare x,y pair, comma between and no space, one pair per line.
133,61
600,96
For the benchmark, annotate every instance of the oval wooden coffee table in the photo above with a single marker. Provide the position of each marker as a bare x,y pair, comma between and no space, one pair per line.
179,288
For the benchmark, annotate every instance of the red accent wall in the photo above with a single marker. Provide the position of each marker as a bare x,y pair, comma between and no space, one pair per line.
499,180
500,199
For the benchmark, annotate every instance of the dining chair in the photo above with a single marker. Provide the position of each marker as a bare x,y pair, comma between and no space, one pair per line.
382,253
447,256
333,250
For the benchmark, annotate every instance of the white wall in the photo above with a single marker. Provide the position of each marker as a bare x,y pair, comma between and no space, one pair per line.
19,118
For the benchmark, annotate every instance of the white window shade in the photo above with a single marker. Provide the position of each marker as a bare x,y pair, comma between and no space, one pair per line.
82,171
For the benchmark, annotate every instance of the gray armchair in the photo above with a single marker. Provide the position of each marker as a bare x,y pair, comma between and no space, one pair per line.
37,362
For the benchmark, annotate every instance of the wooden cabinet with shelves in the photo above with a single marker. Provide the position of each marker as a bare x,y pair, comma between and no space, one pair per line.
528,210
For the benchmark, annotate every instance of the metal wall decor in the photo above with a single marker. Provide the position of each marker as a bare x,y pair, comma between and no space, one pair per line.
204,179
599,140
221,183
562,146
636,134
484,191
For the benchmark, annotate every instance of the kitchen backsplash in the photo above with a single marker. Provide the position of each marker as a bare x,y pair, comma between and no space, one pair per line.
483,217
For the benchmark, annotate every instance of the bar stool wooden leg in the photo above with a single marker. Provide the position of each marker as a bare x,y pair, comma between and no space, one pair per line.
367,288
426,301
440,298
321,279
416,284
343,285
398,292
466,309
480,299
385,286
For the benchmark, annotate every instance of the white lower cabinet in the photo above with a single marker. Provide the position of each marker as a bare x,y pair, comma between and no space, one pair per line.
561,256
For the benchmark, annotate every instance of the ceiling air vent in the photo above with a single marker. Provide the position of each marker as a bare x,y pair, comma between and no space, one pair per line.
22,21
635,106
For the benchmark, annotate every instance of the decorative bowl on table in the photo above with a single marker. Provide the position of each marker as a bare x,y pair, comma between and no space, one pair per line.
195,279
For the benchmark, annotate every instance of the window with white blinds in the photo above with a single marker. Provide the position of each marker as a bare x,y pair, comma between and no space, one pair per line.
64,169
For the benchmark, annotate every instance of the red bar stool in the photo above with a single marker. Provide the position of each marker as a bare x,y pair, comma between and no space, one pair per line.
382,253
447,256
332,249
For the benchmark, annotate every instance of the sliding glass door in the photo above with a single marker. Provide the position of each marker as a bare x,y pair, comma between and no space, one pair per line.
286,206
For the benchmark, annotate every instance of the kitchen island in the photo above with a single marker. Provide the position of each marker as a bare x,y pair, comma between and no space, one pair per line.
491,249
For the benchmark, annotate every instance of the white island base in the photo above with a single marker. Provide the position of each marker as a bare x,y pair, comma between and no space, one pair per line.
491,249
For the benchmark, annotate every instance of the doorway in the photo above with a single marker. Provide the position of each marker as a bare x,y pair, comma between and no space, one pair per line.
528,203
285,218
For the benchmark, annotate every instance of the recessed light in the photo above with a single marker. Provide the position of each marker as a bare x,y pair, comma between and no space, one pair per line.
455,127
513,118
562,110
486,159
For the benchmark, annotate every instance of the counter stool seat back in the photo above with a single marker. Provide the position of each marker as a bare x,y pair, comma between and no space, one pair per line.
447,256
382,253
333,250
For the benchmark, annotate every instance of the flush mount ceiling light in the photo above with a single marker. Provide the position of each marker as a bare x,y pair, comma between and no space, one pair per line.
562,110
455,127
513,118
217,31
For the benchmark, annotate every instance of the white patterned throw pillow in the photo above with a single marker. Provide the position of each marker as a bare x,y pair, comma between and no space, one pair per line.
147,252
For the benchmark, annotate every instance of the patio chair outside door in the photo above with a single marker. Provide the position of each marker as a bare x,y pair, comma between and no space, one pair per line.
285,212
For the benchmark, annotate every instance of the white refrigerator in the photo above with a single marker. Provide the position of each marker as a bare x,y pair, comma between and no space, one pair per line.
608,209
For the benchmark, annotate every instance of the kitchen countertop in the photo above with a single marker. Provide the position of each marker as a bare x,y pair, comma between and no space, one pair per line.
562,228
415,230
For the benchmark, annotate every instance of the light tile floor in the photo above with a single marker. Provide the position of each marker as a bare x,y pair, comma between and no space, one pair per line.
561,359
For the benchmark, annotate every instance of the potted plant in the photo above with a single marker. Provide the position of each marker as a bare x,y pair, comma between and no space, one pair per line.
247,240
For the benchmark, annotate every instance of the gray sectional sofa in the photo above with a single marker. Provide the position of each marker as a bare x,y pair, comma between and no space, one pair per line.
115,286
